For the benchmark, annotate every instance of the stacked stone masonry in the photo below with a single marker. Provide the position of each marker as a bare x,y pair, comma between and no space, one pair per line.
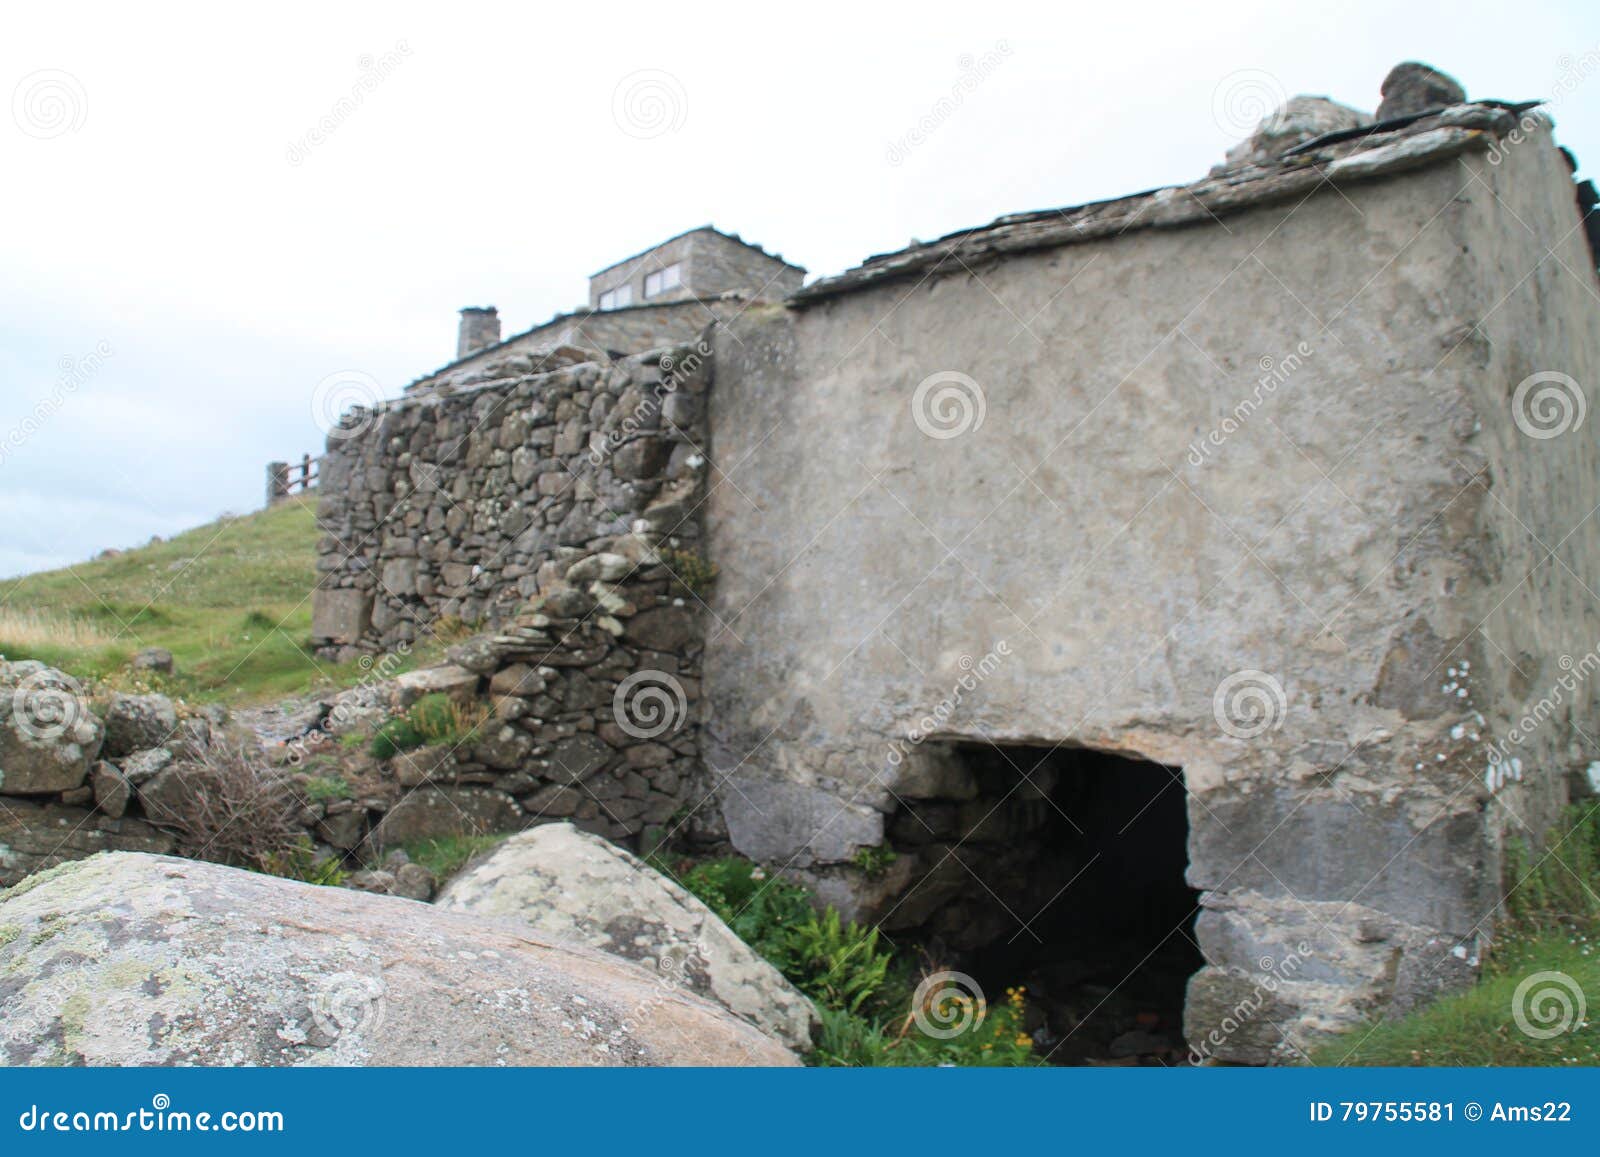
558,512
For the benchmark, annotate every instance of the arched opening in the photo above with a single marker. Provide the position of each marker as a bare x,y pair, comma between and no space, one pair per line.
1062,870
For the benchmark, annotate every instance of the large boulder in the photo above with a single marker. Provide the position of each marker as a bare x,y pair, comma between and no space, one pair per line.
138,723
48,735
130,959
575,888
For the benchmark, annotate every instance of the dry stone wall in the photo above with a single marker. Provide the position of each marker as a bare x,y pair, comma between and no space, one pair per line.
557,513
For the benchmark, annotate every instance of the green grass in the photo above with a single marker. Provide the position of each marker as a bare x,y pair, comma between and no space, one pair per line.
1551,926
433,719
230,600
1477,1027
447,855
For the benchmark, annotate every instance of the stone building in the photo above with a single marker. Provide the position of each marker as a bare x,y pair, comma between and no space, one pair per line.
1177,601
666,295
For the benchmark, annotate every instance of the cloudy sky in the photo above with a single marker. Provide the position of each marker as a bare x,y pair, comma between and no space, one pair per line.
186,254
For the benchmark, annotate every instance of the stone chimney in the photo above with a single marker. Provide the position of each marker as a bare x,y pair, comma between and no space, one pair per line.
480,329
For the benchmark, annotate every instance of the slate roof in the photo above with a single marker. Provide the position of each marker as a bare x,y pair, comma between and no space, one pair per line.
1352,155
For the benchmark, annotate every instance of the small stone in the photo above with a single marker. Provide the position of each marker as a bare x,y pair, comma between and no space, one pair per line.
414,882
138,722
141,765
157,659
519,679
1412,88
112,791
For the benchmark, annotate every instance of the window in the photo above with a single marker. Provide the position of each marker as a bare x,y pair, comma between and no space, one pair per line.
663,279
616,298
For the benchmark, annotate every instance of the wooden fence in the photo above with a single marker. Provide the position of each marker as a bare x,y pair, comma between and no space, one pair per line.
287,478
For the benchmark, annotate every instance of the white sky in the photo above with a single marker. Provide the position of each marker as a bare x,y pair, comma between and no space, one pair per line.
162,215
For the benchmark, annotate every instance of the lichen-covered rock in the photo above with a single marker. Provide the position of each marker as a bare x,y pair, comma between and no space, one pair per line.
576,888
130,959
137,723
48,735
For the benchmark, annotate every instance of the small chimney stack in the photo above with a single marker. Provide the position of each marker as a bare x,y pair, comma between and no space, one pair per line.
480,329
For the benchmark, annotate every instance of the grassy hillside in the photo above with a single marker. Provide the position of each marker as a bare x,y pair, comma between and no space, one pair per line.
230,600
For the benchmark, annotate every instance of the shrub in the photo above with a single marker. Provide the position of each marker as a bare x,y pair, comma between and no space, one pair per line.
231,811
836,964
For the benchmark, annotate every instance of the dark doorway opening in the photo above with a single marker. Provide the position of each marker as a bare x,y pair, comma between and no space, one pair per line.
1063,874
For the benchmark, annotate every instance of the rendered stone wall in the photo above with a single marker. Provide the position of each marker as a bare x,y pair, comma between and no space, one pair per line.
1327,606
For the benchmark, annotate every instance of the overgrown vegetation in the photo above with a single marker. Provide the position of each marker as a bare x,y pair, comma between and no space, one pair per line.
1543,969
231,810
299,861
447,855
326,788
866,996
231,600
433,719
690,570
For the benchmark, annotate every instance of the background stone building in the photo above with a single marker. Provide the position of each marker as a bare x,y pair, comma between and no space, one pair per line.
667,295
